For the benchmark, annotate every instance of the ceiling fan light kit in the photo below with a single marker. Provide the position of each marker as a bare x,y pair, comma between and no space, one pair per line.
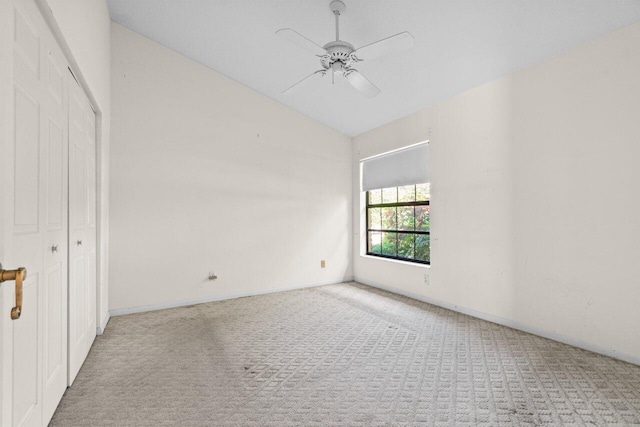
338,57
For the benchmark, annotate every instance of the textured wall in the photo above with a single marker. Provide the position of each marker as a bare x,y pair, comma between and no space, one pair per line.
535,185
209,175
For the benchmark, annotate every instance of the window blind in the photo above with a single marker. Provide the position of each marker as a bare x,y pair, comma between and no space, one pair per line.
406,166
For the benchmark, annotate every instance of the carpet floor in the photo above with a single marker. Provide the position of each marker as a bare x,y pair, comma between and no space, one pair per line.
339,355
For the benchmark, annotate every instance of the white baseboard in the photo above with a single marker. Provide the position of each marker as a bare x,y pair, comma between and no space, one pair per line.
182,303
100,329
508,322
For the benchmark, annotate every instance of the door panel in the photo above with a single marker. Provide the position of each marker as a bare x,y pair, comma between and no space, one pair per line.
55,329
54,322
56,75
55,333
27,152
91,288
75,111
76,186
26,45
91,192
25,195
26,336
55,178
82,228
78,300
33,215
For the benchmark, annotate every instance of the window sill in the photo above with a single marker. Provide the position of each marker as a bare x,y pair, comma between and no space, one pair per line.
397,261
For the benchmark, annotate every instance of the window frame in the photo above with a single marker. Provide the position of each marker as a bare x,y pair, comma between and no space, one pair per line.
414,232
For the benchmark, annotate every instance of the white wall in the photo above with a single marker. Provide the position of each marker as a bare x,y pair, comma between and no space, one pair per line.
207,174
535,198
85,26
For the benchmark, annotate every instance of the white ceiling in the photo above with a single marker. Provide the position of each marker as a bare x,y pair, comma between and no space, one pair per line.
459,44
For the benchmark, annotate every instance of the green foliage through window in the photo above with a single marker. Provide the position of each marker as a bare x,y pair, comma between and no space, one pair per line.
398,224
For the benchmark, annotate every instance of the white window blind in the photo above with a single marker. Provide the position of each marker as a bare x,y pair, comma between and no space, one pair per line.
406,166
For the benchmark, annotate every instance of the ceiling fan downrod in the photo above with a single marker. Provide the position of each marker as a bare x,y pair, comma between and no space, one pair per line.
337,7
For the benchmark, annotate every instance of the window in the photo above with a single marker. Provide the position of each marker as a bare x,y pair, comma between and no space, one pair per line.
398,223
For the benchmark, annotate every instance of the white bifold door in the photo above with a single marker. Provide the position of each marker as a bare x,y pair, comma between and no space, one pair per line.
47,218
34,216
82,228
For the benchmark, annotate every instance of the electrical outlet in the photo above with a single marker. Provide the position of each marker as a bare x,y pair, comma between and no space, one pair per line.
322,264
212,275
426,279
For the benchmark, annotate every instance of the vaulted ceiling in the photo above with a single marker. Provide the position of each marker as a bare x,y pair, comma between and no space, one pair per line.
459,44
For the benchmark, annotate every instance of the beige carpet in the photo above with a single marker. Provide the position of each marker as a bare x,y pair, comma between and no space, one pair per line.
339,355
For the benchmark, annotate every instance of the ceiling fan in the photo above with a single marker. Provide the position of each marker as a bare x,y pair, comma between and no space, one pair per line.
338,57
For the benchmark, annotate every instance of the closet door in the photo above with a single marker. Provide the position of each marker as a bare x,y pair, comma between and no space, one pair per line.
33,201
82,228
55,227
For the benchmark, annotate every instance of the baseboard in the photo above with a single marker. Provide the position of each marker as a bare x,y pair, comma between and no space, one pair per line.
507,322
182,303
100,329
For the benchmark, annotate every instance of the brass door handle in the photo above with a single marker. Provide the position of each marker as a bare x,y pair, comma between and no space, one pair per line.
18,275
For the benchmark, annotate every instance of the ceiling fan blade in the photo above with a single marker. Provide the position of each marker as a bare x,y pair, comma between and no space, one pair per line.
318,73
297,38
386,46
361,83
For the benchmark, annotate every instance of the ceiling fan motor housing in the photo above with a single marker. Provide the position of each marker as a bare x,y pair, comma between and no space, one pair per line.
338,51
